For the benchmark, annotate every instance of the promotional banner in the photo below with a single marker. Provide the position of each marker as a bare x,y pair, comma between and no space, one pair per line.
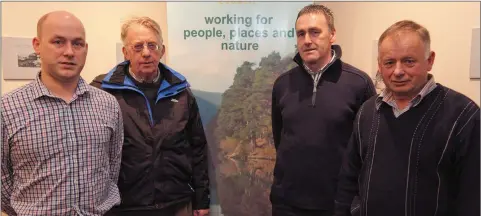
231,53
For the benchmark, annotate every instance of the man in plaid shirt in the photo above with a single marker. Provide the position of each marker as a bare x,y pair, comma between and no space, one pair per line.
61,138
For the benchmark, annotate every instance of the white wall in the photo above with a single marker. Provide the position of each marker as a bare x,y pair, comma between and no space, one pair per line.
450,25
358,25
102,21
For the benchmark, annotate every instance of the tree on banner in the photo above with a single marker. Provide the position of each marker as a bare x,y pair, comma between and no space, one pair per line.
243,131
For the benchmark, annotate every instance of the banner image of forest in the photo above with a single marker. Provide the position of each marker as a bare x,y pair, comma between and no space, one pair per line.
237,125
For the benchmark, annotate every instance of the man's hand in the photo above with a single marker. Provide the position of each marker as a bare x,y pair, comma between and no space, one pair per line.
201,212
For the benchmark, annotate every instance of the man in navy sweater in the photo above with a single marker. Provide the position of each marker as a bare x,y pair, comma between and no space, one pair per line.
313,108
415,147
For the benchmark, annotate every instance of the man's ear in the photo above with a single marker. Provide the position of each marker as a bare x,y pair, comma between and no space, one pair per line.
430,60
163,51
124,51
332,38
36,45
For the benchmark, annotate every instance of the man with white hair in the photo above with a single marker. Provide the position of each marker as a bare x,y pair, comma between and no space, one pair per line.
164,159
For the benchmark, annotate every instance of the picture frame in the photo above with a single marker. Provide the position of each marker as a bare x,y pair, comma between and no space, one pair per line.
474,67
119,54
374,53
19,60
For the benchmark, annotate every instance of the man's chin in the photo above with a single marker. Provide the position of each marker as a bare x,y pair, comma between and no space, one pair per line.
310,60
402,90
147,72
68,77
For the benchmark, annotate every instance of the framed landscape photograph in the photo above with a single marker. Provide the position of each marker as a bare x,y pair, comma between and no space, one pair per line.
19,60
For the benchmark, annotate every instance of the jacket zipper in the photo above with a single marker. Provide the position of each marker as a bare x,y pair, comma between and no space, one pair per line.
192,189
314,89
316,80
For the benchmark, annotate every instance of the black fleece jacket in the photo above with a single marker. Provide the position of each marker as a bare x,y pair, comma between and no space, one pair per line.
310,138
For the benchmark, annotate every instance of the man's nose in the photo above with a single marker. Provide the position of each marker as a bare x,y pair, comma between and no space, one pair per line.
145,51
398,70
68,51
308,39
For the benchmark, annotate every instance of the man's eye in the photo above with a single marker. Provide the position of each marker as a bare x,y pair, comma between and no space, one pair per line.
152,46
79,44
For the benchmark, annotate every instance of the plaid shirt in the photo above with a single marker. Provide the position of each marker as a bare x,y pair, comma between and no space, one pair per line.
387,97
60,158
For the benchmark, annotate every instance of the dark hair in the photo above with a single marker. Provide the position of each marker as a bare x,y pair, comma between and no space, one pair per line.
319,9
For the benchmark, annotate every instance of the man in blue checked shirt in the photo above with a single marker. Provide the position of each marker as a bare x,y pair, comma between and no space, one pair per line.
61,138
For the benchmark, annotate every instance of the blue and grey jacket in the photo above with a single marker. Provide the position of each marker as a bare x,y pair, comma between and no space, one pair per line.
164,159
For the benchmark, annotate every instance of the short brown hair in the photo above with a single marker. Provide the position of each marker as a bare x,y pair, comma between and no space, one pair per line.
319,9
410,26
143,21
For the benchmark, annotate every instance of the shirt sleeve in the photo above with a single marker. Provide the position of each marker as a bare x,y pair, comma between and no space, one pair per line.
200,163
276,118
348,187
369,91
7,173
468,163
117,142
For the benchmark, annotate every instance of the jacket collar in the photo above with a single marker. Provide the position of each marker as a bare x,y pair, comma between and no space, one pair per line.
118,76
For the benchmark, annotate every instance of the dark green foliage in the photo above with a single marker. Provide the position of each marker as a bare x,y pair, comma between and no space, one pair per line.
244,113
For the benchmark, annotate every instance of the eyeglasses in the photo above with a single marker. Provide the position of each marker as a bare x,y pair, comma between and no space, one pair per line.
138,47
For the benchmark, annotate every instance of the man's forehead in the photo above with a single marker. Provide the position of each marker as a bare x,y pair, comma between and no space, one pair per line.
144,40
311,20
140,38
402,40
65,28
68,32
399,52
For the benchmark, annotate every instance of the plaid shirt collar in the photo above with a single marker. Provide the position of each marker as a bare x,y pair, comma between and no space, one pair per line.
41,90
386,96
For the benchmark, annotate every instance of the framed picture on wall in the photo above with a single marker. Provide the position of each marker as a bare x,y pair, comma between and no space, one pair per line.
19,60
119,54
474,71
374,52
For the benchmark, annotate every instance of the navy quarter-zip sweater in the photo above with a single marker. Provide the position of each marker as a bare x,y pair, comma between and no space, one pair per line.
310,138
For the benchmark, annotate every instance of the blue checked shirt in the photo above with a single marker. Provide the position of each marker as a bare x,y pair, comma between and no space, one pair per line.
60,158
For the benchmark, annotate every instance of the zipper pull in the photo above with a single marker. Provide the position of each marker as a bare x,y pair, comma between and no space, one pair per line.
313,100
191,187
